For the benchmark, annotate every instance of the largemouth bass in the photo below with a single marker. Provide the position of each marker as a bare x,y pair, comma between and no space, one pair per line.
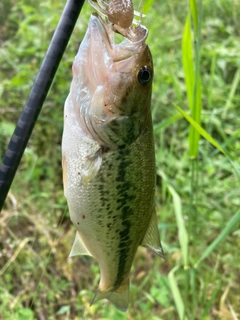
108,154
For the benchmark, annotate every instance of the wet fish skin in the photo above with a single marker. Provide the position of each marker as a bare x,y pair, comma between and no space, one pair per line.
108,157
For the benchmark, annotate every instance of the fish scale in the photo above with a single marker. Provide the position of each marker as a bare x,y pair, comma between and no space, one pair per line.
108,156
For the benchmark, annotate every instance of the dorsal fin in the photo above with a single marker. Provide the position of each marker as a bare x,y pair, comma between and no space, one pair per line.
151,239
78,247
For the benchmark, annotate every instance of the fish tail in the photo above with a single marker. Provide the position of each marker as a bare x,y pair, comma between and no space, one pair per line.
119,297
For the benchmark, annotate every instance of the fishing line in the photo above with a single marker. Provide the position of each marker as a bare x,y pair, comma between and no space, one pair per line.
37,96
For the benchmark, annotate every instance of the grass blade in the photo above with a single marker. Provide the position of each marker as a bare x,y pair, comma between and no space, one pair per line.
192,73
225,232
194,14
166,122
147,5
182,232
176,293
235,85
196,114
201,131
187,60
15,255
208,137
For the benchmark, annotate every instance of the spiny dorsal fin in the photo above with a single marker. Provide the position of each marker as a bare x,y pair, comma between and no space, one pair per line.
151,239
78,248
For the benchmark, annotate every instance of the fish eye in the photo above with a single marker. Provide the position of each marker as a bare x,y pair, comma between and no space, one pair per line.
144,75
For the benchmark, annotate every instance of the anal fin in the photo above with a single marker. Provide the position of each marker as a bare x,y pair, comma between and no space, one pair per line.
151,239
78,247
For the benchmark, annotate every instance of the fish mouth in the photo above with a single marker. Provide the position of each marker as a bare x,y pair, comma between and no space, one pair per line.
103,33
105,56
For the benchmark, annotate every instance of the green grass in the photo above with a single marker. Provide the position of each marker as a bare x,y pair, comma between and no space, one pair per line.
195,106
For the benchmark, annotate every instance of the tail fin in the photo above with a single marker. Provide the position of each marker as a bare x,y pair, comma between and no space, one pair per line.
119,298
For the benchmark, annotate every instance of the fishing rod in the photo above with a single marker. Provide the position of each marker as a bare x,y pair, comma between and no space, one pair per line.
37,96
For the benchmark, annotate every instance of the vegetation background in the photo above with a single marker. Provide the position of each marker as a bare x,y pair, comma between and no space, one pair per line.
195,46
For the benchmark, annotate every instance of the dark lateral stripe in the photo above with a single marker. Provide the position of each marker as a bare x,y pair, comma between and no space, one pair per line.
124,197
123,252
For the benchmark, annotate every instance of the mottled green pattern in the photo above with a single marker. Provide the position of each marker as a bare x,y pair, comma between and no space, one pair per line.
117,206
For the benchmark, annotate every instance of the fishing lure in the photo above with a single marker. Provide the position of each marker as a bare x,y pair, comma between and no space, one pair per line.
119,12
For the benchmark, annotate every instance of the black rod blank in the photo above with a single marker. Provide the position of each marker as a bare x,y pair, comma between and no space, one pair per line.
37,96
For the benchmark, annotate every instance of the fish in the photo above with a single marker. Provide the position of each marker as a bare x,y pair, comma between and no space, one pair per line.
108,155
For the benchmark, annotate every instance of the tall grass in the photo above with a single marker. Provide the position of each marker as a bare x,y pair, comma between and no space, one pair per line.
191,58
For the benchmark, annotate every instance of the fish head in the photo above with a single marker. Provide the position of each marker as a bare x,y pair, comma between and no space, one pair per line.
112,83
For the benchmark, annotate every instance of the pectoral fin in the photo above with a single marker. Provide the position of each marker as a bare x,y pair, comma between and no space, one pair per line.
151,239
91,167
78,248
